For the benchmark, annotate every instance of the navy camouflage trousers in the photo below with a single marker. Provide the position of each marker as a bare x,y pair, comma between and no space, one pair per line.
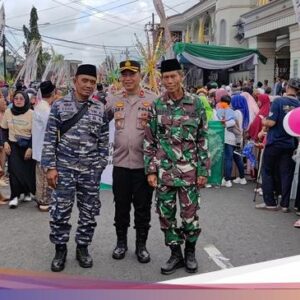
84,185
189,202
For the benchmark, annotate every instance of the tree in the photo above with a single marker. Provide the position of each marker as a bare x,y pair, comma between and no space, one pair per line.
32,35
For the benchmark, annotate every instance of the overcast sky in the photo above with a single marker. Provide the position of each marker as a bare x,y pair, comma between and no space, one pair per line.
105,22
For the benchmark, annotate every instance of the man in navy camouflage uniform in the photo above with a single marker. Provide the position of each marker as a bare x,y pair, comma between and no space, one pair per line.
177,162
74,163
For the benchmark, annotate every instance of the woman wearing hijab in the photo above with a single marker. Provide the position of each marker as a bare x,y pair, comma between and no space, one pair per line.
239,102
16,128
240,106
252,107
264,109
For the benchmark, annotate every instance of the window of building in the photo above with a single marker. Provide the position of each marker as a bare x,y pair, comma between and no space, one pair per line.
207,29
223,37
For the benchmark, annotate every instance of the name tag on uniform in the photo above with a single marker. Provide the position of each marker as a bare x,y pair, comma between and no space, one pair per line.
67,107
96,114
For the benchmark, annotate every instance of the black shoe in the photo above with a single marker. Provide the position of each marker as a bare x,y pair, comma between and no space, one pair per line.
142,253
175,261
120,250
59,260
191,264
83,257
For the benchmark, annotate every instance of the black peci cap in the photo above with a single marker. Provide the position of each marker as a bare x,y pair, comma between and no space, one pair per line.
47,87
87,69
170,65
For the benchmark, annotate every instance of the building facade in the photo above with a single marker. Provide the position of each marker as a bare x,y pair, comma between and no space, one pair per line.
272,28
267,25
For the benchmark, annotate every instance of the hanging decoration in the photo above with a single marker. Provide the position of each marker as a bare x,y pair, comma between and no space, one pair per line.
29,70
216,57
151,53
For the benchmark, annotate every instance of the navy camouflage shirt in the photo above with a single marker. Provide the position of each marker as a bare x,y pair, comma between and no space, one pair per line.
85,144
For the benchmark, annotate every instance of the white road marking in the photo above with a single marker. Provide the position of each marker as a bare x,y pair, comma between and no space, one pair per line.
218,257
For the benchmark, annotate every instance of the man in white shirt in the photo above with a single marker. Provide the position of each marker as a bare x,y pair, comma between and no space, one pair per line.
40,119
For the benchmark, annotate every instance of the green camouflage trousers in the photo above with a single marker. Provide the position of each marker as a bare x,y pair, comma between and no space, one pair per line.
166,208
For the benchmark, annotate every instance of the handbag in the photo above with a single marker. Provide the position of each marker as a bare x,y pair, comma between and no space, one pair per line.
23,141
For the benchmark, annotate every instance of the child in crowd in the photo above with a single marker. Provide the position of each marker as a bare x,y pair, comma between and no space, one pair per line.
226,113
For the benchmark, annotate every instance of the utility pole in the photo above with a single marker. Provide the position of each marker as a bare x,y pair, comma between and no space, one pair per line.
4,57
127,53
153,29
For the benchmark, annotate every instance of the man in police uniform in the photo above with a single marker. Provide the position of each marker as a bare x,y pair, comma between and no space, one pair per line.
130,109
74,161
177,163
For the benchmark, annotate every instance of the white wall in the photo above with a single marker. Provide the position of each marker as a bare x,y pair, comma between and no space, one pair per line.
230,11
295,50
266,46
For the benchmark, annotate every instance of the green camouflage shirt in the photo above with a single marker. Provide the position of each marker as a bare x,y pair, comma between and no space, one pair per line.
175,145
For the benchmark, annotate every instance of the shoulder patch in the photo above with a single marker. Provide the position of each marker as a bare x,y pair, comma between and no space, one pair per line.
119,104
146,103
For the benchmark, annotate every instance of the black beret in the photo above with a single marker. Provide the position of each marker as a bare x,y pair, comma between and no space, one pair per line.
130,65
87,69
169,65
47,87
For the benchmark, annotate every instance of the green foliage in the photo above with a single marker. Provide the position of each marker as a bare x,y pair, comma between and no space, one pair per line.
46,57
58,58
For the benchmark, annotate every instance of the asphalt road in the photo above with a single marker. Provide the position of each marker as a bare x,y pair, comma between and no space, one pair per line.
234,233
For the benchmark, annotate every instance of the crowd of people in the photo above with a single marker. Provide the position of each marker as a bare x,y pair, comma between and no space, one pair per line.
56,148
21,141
255,138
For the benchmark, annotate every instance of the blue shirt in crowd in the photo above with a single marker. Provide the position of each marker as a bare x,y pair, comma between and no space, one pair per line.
277,136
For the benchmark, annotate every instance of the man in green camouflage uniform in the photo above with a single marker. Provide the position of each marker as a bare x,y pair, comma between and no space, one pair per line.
177,162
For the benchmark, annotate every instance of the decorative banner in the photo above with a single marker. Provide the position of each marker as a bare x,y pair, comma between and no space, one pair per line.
216,57
29,69
216,149
57,70
2,22
106,178
297,10
216,65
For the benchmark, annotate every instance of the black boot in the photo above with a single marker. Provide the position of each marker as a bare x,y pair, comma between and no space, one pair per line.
121,247
59,260
191,264
83,256
141,251
174,262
